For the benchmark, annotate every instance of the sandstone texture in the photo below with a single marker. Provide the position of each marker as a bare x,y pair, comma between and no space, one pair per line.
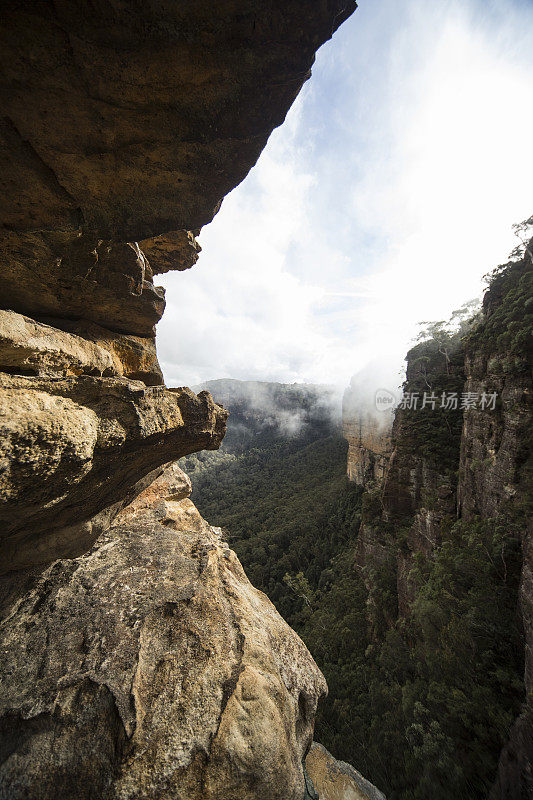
123,128
75,446
127,124
28,347
369,447
147,667
136,120
336,780
367,431
178,250
150,667
77,275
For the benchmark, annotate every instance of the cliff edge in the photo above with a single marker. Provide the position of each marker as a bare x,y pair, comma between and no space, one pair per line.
135,649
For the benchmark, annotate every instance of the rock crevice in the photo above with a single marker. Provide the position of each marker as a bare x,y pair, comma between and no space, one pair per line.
138,661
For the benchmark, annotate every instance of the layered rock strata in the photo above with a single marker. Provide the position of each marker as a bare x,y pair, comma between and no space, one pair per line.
136,120
147,667
369,447
470,463
123,129
75,446
367,428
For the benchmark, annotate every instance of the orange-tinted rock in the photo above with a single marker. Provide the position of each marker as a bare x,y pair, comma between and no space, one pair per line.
136,120
72,447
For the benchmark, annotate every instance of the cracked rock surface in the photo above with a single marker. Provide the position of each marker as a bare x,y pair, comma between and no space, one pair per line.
147,667
72,447
150,667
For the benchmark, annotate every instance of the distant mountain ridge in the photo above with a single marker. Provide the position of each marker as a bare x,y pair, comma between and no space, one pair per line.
262,411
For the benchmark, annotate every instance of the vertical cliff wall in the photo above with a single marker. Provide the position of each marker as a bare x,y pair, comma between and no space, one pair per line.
444,546
367,429
496,468
141,664
369,447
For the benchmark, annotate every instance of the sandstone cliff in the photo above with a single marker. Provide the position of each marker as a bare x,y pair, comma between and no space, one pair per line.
123,129
496,469
369,446
367,427
150,667
134,665
462,476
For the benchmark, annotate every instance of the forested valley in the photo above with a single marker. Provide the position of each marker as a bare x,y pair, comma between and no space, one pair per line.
421,644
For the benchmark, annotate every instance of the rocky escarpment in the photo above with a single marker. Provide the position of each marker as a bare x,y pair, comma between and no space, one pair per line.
408,463
151,667
81,443
366,426
134,121
496,468
369,447
122,131
123,128
444,547
419,493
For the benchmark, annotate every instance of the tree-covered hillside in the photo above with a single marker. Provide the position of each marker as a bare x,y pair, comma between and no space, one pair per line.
286,508
409,608
281,495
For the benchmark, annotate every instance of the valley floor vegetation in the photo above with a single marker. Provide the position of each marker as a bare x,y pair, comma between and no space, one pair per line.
421,702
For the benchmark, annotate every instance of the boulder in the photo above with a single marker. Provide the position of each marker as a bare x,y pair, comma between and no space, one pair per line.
336,780
150,667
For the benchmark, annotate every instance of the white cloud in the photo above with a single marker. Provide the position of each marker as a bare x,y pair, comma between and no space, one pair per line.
386,195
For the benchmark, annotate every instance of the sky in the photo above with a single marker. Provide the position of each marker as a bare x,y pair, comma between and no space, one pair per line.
381,202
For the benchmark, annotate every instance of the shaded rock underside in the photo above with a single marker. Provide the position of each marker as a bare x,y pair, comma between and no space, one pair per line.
148,665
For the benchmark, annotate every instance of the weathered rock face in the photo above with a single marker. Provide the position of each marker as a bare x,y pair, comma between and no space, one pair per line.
150,667
128,124
77,275
412,483
420,487
336,780
75,446
496,474
178,250
472,465
123,129
367,431
369,447
28,347
136,120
